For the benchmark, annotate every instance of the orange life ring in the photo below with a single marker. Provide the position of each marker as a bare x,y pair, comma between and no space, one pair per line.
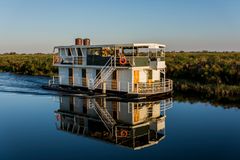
124,133
123,60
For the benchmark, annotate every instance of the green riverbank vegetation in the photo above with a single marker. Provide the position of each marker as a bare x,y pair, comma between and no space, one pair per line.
29,64
207,73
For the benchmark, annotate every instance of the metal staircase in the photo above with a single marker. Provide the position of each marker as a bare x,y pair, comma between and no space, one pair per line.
104,115
104,73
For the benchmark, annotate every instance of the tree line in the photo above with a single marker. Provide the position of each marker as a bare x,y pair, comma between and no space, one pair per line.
207,68
29,64
211,73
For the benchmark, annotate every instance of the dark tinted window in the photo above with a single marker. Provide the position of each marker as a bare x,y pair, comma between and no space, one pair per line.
83,73
79,52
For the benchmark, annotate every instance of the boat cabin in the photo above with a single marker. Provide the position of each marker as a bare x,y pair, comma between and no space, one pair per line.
123,69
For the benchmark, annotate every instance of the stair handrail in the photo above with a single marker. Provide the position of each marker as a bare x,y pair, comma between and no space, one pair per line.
104,73
104,67
105,119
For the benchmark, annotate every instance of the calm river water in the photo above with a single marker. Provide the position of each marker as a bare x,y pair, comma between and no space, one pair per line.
39,124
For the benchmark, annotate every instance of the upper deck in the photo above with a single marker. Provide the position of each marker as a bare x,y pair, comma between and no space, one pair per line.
135,54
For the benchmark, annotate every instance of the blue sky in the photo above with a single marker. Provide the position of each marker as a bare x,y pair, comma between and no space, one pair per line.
38,26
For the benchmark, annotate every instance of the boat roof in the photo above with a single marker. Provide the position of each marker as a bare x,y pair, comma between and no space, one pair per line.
139,45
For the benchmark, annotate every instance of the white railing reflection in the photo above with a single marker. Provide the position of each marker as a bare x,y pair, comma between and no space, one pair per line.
166,104
54,81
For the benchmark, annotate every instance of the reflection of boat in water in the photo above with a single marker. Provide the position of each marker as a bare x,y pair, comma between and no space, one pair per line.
131,124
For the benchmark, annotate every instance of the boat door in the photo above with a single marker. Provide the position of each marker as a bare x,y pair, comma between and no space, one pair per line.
136,113
136,80
115,109
114,80
84,77
70,76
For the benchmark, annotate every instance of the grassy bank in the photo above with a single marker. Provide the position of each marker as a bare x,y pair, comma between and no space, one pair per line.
30,64
210,74
206,68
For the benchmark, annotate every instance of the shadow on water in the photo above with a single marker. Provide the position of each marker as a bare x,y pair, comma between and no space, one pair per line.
225,102
134,125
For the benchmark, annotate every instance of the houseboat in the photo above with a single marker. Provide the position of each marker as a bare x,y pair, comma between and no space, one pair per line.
135,125
125,70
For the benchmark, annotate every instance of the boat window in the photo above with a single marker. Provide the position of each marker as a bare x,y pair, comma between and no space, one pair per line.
127,51
61,51
104,51
69,52
79,52
152,52
161,54
71,104
85,102
70,72
94,51
83,73
107,51
73,52
142,52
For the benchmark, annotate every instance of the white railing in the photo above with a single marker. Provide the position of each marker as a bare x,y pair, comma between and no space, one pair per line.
54,81
151,87
115,85
67,60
